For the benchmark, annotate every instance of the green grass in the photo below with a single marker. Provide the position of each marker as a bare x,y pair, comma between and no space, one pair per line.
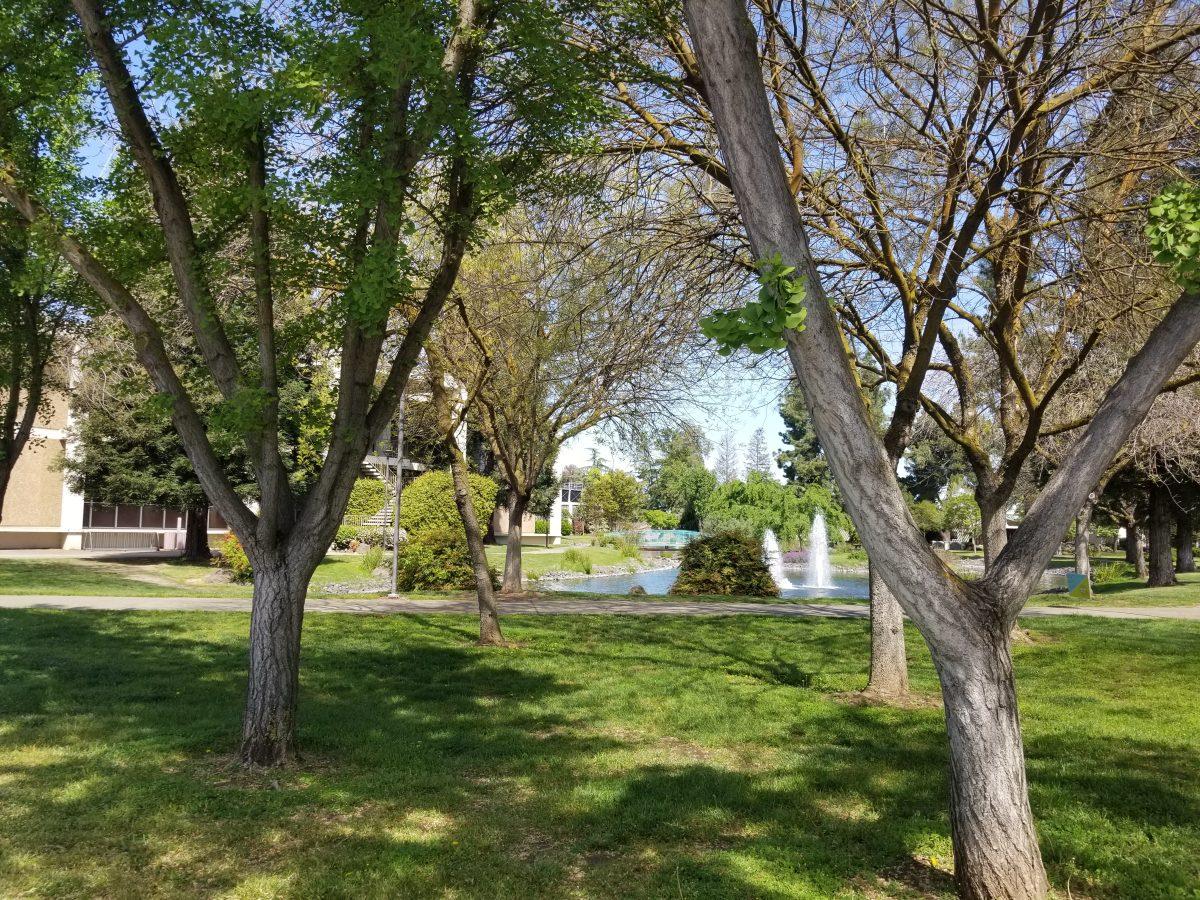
146,577
537,561
604,757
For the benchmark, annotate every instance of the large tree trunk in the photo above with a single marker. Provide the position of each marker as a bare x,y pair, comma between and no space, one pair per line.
889,667
1185,541
1083,534
269,723
512,553
489,616
996,851
195,539
1162,516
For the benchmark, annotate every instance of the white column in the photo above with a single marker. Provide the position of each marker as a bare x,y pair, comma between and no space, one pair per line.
555,522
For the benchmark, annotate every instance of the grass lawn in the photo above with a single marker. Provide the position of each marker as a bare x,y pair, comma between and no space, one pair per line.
605,757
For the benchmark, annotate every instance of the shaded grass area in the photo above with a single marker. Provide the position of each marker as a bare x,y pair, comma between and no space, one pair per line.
604,757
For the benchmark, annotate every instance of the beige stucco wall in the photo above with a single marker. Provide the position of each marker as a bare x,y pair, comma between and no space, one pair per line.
34,497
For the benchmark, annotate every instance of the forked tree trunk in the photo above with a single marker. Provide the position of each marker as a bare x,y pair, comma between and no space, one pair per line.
1185,542
269,722
1162,516
889,666
512,553
1083,534
195,538
996,855
489,616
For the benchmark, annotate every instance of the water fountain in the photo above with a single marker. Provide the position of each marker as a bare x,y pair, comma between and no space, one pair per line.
819,573
775,560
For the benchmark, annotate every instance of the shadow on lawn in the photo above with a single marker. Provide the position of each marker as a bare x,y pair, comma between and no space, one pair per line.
433,766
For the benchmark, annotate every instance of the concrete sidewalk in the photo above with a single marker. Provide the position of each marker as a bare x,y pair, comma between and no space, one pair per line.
556,607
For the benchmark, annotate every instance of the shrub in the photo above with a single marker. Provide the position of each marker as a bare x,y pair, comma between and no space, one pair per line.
428,502
231,556
437,559
374,537
541,526
567,527
1112,572
346,534
368,497
627,548
724,563
371,560
657,518
578,561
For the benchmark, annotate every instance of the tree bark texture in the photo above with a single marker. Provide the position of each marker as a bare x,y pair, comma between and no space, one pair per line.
1185,542
195,539
994,522
996,855
512,552
889,666
1162,517
1083,534
269,721
489,615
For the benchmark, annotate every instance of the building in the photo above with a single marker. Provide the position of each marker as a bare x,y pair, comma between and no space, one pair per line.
41,512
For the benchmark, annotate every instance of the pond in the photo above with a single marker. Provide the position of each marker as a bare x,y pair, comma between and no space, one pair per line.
659,581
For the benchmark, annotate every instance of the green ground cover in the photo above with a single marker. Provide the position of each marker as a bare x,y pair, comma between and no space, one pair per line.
603,757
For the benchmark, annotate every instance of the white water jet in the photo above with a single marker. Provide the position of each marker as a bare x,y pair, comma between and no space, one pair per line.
819,573
775,560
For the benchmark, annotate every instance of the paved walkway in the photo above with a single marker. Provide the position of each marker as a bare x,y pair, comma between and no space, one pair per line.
558,607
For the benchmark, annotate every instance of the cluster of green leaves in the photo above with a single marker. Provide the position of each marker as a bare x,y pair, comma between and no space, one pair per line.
658,518
677,481
437,559
368,497
232,556
724,563
610,499
428,503
1174,232
759,326
759,503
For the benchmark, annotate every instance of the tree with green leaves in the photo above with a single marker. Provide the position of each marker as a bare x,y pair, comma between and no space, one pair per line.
675,475
314,188
801,458
611,499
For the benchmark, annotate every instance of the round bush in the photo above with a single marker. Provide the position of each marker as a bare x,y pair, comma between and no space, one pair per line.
428,502
724,563
437,559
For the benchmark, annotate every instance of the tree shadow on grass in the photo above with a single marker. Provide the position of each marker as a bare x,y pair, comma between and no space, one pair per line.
432,766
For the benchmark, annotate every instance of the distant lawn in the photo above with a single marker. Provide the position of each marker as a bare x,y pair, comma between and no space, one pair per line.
606,757
1131,592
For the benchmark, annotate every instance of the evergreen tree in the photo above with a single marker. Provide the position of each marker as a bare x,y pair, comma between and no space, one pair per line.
801,458
758,457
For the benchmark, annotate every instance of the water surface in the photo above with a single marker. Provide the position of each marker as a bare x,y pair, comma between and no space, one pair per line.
659,581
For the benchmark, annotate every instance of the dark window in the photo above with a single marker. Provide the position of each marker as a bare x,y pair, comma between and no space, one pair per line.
103,516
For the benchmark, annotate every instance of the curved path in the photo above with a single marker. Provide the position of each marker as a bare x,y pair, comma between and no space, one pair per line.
557,607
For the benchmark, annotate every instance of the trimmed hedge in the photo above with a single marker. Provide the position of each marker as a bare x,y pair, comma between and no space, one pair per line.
724,563
428,502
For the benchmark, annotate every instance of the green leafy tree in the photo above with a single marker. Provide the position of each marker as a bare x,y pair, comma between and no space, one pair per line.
676,478
610,499
933,461
801,458
754,505
314,189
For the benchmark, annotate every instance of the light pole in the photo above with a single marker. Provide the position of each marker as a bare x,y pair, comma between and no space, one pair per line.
396,500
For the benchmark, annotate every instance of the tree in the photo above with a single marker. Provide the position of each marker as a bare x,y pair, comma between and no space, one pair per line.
567,322
728,463
927,151
758,457
933,461
611,499
966,625
801,458
352,151
675,476
753,506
